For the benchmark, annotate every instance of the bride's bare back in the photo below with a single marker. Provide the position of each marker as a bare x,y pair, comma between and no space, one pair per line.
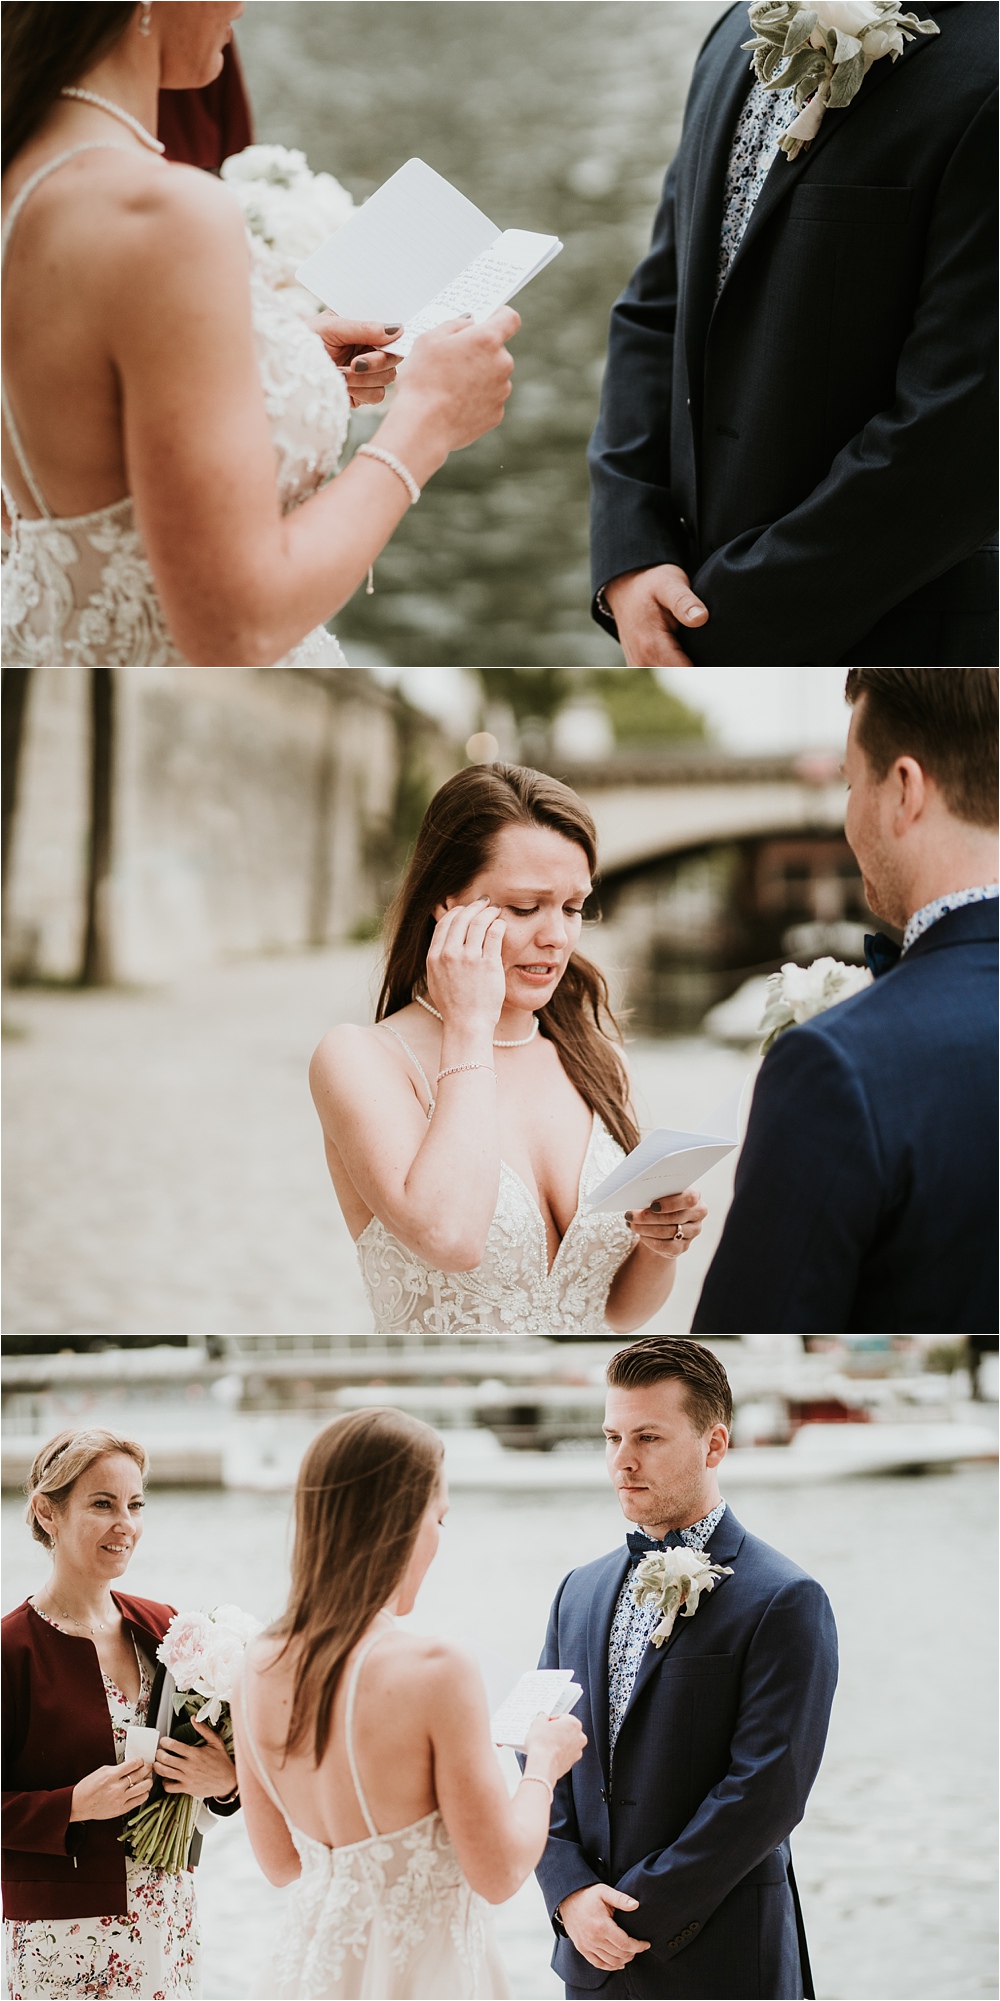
391,1736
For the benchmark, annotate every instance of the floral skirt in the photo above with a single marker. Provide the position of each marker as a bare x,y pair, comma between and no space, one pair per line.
152,1953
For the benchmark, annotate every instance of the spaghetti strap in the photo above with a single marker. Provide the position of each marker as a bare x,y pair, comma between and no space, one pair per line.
414,1060
252,1746
22,196
352,1688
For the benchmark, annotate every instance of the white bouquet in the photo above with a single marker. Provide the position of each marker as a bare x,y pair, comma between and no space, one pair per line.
286,207
824,52
203,1651
798,992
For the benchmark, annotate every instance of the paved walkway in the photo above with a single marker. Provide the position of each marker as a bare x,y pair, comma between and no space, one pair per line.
164,1165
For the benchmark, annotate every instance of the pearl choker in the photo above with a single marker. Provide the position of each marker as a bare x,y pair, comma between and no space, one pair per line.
115,111
498,1041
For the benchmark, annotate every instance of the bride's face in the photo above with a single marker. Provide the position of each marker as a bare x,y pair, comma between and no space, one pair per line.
541,882
424,1549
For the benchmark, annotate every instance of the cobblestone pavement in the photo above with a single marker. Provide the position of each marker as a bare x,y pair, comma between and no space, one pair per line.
164,1165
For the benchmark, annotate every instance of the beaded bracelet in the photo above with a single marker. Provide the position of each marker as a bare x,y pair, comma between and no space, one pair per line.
394,464
454,1068
535,1779
402,472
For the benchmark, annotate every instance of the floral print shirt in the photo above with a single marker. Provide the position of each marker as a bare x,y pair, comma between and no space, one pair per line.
632,1625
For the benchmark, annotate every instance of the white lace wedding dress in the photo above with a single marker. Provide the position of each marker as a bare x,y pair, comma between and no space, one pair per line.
514,1290
78,590
387,1919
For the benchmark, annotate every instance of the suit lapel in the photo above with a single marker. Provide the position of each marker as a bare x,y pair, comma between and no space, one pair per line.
785,174
722,1547
600,1614
722,101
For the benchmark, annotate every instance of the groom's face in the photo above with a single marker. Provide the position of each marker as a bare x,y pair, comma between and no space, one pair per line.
662,1467
869,825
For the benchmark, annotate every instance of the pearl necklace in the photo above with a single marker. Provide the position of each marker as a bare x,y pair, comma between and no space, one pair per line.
498,1041
115,111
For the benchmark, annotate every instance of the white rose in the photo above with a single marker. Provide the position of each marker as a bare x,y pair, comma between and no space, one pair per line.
850,16
883,42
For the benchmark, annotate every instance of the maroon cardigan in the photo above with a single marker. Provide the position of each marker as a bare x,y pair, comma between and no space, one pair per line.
56,1729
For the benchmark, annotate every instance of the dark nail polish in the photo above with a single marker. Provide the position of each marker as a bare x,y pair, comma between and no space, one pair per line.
392,330
655,1206
361,367
628,1215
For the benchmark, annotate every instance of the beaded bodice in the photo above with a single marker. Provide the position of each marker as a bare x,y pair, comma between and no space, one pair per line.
513,1290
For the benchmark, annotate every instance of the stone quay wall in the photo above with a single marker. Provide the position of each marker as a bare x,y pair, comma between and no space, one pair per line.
254,810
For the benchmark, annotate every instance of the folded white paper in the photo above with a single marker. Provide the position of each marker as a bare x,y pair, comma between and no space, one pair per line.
417,252
141,1742
666,1162
542,1692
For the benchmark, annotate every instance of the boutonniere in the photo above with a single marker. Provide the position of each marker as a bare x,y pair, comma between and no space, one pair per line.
827,51
798,992
673,1580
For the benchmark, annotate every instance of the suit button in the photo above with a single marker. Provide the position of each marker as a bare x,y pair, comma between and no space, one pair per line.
682,521
688,401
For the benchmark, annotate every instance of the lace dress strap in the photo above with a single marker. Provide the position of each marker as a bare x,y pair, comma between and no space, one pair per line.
352,1689
415,1060
22,196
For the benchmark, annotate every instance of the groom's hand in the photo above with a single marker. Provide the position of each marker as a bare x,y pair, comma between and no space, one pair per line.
650,607
588,1918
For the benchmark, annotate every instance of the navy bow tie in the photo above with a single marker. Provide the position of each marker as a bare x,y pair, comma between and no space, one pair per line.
640,1544
881,954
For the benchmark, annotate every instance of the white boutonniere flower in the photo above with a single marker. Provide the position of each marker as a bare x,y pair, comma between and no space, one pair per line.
823,52
674,1580
798,992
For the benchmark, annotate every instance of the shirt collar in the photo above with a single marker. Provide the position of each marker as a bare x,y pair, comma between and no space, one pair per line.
956,899
702,1532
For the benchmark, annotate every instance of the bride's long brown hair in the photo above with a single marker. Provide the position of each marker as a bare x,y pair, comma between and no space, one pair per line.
455,841
362,1490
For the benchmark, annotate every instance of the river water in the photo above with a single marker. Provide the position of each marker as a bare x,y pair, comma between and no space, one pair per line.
895,1858
550,115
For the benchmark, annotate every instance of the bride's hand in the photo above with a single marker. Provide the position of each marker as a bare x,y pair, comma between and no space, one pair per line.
460,374
553,1745
657,1226
358,349
466,981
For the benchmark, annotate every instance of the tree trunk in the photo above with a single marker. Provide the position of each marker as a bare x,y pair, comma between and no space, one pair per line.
16,682
98,966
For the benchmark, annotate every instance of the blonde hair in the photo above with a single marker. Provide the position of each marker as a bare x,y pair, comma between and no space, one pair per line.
363,1486
60,1464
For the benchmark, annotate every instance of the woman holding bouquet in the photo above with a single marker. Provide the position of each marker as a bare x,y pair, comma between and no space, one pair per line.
81,1916
170,430
366,1767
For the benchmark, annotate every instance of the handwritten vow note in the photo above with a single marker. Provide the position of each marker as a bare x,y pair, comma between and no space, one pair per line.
666,1162
543,1692
417,253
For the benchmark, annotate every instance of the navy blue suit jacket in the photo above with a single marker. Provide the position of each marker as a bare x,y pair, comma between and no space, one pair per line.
866,1192
716,1755
816,447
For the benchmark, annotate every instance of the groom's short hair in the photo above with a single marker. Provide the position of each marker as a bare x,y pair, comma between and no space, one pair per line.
708,1398
945,717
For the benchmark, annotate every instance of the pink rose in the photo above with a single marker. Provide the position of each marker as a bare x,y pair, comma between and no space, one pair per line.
183,1645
